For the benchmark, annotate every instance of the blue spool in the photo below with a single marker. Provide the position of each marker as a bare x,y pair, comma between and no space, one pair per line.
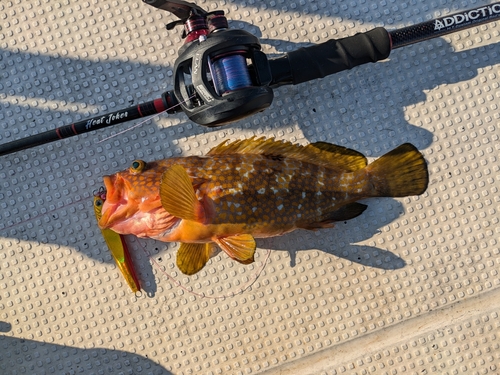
230,73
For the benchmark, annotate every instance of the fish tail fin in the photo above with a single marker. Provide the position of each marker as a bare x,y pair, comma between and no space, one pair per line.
399,173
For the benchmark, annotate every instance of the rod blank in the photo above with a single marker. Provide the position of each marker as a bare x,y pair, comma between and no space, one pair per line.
444,25
95,123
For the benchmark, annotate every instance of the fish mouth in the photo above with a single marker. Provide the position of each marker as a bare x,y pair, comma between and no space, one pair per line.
113,185
116,207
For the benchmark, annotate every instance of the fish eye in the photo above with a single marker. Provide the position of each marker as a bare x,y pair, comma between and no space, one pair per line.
98,202
137,166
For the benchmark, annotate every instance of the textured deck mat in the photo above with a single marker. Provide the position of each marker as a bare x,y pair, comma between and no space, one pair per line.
410,286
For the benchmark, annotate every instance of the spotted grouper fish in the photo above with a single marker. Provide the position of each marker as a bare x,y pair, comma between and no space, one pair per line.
251,188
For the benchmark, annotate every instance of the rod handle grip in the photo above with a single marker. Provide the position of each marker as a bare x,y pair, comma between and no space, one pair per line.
333,56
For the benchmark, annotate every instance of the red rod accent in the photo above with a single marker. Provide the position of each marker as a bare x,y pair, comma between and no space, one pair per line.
159,106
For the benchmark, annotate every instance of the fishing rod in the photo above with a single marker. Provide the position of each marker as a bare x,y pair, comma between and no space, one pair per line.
221,75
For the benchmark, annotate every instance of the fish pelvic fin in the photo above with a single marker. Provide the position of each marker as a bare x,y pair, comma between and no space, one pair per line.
347,212
240,247
319,153
178,196
192,257
399,173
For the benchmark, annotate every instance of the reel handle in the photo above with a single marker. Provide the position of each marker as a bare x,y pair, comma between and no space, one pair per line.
179,8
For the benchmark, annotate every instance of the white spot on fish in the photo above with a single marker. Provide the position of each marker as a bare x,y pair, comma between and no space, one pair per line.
320,178
261,191
303,194
319,193
344,182
299,206
254,209
274,190
280,207
282,179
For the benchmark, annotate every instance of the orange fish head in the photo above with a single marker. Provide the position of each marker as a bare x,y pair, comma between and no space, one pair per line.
128,193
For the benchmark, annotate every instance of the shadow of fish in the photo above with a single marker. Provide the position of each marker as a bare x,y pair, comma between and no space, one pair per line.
251,188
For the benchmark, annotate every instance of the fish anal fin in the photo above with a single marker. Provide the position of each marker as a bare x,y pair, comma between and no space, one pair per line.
178,195
347,212
192,257
240,247
319,153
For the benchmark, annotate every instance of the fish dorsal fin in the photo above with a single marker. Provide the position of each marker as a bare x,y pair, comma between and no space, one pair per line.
339,156
240,247
178,197
192,257
320,153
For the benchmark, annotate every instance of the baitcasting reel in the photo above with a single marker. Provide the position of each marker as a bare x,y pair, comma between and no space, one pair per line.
221,75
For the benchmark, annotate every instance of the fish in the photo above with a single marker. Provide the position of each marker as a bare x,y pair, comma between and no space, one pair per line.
252,188
117,246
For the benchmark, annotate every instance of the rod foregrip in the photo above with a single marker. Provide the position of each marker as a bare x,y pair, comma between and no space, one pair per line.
333,56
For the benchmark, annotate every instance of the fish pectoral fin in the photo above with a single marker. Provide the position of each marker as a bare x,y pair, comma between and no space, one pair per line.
192,257
240,247
347,212
178,196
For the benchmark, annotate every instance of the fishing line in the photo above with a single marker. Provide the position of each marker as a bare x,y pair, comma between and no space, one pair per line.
144,121
14,224
178,284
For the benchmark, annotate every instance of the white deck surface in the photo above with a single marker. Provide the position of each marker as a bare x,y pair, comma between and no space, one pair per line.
412,286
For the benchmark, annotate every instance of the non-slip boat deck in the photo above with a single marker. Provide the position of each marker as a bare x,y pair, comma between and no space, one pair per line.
411,286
